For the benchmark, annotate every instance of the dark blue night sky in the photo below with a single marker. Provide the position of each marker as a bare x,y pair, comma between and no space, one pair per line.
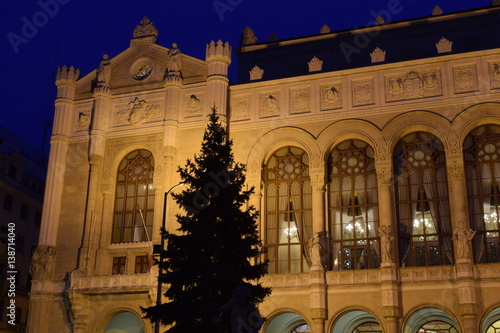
38,36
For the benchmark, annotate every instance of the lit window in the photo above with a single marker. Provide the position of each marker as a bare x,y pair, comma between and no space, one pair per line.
288,211
482,169
368,327
353,206
494,328
134,202
422,206
437,326
303,328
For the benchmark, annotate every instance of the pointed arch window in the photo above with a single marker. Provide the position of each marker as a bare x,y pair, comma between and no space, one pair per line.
134,199
422,205
288,221
482,169
353,202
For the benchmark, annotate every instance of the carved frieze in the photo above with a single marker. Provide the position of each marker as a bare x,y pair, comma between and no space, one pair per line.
363,92
194,105
270,104
331,96
465,78
494,69
240,108
413,84
137,111
300,100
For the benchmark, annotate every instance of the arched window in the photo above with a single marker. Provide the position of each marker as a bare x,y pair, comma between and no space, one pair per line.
482,168
287,211
368,327
303,328
437,326
494,327
125,322
422,205
353,206
134,201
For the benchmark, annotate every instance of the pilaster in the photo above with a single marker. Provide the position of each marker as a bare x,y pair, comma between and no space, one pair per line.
318,300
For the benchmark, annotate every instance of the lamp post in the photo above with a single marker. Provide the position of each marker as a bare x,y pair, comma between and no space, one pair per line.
162,247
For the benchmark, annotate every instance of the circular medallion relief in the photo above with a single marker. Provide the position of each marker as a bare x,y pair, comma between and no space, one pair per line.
141,69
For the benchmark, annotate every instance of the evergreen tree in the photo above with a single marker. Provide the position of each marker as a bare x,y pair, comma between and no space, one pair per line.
210,257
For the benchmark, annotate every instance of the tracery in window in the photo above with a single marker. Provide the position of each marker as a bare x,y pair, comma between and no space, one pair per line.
494,327
134,201
482,169
437,326
372,327
422,205
353,207
287,211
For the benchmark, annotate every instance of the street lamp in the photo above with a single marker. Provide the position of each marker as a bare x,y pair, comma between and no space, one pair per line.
162,247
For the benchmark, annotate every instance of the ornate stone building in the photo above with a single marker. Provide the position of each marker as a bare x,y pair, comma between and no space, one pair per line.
375,153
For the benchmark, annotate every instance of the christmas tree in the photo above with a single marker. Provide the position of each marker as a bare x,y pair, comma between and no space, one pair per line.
211,264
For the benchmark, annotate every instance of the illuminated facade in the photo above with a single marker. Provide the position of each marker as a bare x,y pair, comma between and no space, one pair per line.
377,171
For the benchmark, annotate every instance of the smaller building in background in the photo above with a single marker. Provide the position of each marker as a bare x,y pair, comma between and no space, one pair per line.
22,182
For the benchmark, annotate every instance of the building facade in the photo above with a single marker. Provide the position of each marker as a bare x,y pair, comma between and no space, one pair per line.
375,153
22,180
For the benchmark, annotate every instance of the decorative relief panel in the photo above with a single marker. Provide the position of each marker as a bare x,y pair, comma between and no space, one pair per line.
240,108
413,84
465,78
137,111
494,68
300,100
270,104
194,105
83,120
363,92
331,96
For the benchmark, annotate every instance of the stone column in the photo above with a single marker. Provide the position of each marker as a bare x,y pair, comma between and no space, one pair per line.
218,57
39,312
318,300
467,296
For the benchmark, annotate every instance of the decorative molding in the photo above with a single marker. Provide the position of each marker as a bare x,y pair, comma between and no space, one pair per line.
315,65
363,92
270,104
331,96
325,29
240,108
455,171
413,84
494,69
194,105
137,111
83,120
256,73
300,100
444,45
437,11
465,78
113,282
377,55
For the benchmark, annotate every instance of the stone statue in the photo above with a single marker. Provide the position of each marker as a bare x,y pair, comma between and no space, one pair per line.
42,262
174,60
104,72
386,240
243,314
462,238
315,251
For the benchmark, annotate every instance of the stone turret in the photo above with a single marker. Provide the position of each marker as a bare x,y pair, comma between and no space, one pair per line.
218,57
65,81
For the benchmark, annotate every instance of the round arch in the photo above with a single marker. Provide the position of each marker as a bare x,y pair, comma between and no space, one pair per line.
349,129
492,316
418,121
475,116
121,320
421,316
278,138
284,322
347,321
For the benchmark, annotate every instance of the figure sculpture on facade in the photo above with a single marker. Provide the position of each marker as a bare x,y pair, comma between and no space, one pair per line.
462,238
42,262
315,251
386,240
104,72
174,60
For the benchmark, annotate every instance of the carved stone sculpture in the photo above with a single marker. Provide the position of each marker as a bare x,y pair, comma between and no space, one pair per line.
248,37
104,72
145,29
316,252
386,240
174,60
42,263
462,237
